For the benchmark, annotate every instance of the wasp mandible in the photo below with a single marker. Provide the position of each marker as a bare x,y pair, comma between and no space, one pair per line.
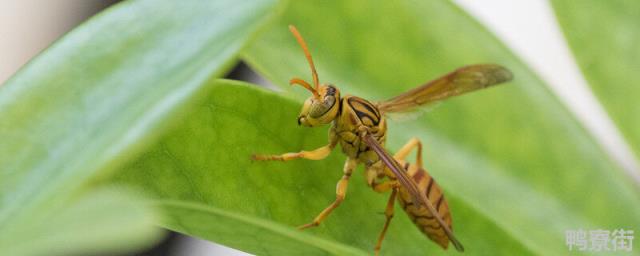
359,126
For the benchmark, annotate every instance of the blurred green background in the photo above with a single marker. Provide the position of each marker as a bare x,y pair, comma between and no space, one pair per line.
131,99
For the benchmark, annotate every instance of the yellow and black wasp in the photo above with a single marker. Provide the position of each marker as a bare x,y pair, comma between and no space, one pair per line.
359,126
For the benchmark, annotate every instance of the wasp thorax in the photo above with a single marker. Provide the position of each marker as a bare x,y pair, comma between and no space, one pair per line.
322,109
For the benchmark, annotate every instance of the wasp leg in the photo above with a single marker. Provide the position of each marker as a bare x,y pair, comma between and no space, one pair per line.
371,173
406,149
316,154
385,186
341,191
388,213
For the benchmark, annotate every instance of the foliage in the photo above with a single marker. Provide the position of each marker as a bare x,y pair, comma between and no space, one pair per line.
130,99
93,101
608,54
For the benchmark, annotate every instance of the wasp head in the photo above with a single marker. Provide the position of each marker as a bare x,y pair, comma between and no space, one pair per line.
320,109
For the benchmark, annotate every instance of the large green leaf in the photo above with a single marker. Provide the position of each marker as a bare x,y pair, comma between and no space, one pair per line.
604,37
97,97
106,220
203,166
512,156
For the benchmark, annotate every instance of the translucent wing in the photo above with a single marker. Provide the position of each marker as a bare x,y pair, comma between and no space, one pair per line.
460,81
411,114
411,186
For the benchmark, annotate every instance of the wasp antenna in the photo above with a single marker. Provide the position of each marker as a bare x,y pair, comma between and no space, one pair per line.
314,74
306,85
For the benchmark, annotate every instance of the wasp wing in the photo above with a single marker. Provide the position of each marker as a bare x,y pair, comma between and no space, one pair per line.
460,81
411,186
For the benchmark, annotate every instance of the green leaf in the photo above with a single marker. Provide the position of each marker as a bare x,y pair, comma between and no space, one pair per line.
203,166
604,38
104,92
256,235
94,223
512,156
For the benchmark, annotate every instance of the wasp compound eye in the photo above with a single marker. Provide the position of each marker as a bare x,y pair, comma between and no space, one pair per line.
319,108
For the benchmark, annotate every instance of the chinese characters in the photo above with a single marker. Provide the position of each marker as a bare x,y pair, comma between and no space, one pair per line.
599,240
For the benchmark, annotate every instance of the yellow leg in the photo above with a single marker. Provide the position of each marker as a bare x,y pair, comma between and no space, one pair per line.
385,186
406,149
388,213
317,154
371,173
341,191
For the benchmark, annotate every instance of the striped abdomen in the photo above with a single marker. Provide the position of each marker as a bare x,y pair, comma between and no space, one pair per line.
421,216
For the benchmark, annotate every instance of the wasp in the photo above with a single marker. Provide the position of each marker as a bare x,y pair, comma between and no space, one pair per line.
359,126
